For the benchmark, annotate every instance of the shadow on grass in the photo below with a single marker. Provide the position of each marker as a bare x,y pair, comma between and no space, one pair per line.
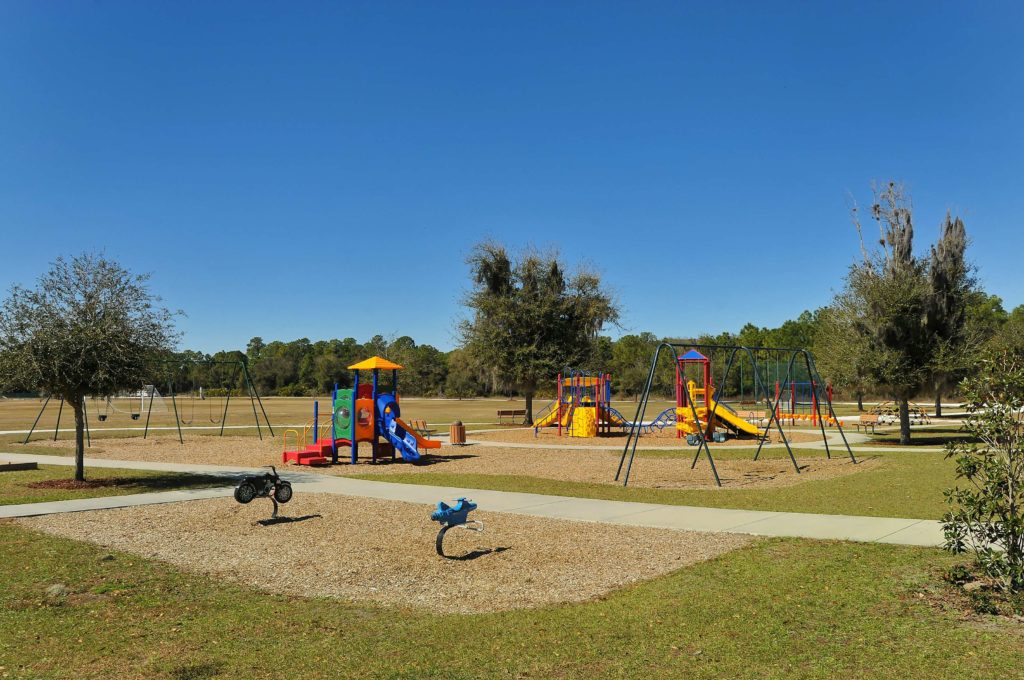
928,440
160,482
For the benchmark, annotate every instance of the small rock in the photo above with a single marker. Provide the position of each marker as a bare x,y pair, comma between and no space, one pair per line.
973,586
107,558
58,590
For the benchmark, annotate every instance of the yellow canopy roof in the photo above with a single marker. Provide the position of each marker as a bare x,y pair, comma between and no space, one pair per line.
372,363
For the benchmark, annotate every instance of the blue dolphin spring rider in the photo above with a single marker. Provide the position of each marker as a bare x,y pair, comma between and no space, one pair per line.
454,516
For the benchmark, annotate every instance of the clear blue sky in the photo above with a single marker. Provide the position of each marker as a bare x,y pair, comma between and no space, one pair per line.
321,169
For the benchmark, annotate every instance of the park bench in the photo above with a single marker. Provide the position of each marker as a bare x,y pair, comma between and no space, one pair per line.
422,428
512,414
868,421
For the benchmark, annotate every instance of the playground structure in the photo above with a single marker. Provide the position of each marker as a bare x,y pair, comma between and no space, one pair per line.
698,412
362,414
699,408
148,400
582,406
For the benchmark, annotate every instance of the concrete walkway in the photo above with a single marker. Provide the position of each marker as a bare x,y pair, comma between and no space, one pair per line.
108,502
756,522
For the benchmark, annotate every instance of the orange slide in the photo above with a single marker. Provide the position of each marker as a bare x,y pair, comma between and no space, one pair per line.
421,441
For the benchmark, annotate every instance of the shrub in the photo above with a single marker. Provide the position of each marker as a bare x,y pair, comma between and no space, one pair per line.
987,514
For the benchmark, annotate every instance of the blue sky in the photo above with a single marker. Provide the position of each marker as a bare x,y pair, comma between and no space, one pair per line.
321,169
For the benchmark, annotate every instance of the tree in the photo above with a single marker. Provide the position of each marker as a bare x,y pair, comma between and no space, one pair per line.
88,328
987,516
464,377
631,362
890,291
528,319
951,288
842,353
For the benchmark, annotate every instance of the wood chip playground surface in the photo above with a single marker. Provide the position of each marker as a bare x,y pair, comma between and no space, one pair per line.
773,470
382,552
665,438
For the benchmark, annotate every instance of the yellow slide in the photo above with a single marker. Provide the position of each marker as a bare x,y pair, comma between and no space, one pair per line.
727,416
552,417
610,417
549,419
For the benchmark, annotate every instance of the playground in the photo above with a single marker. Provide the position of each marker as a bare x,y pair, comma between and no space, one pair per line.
338,565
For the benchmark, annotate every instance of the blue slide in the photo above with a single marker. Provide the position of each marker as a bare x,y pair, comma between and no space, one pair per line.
404,442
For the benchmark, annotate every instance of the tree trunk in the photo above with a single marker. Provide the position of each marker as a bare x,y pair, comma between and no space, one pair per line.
528,395
78,404
860,401
904,422
938,403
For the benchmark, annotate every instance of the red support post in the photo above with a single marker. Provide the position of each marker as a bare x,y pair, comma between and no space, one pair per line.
814,403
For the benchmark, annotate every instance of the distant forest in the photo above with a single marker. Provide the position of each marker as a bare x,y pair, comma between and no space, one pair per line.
303,367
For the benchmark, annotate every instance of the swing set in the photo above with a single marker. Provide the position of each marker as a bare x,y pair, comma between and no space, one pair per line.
800,381
175,372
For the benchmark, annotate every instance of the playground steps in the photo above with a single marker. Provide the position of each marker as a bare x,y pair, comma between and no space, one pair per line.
319,453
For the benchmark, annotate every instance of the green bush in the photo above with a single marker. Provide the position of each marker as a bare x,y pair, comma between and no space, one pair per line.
987,514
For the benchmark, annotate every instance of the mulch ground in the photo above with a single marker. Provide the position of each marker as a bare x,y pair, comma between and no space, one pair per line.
773,469
383,551
663,438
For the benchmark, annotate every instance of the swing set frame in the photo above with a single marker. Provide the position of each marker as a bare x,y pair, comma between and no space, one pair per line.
677,349
170,366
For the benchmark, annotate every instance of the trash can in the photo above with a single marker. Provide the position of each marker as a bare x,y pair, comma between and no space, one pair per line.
457,434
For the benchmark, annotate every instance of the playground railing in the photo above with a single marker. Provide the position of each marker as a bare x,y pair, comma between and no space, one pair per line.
323,431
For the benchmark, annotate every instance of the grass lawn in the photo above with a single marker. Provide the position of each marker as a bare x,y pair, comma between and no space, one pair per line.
15,487
905,485
779,609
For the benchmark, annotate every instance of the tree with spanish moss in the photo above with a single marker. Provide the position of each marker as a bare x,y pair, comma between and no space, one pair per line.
529,319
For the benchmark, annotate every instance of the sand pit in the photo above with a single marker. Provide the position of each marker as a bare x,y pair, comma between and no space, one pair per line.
662,438
383,551
580,465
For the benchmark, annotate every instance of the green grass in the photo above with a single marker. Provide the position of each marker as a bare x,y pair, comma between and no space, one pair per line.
15,489
903,485
779,609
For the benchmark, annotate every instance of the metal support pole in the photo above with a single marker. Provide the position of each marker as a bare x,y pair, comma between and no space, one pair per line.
174,403
85,417
224,415
38,416
831,411
641,409
785,440
56,428
149,412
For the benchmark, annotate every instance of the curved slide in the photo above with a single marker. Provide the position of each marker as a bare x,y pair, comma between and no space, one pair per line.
405,440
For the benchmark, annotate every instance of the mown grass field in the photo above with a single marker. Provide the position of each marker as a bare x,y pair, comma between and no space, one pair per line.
16,487
903,485
18,414
778,609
